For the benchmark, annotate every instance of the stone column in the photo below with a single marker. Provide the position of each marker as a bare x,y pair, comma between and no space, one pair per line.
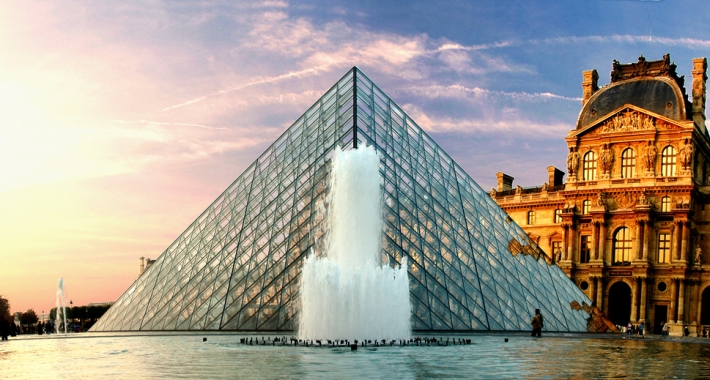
602,241
681,301
642,317
605,298
600,292
684,242
572,243
696,314
646,234
638,241
593,242
565,242
671,317
675,243
634,301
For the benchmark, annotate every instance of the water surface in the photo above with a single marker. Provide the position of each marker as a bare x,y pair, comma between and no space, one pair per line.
222,356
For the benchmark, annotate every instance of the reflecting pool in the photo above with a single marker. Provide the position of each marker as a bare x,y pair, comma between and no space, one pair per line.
222,356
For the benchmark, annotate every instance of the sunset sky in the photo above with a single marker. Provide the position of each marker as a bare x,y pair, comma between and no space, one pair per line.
120,123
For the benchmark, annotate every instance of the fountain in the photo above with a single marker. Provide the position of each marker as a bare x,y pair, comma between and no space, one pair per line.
347,293
60,317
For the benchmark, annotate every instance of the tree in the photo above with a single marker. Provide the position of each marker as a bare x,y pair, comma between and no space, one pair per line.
5,309
28,318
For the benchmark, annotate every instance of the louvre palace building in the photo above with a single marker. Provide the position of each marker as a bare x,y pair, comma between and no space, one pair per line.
631,224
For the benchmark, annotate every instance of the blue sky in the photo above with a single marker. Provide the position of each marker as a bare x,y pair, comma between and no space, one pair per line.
123,121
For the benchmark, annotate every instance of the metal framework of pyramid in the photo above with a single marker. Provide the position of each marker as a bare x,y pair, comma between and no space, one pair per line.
237,267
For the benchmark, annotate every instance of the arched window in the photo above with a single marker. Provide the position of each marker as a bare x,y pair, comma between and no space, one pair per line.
558,216
621,254
586,207
628,163
589,166
531,217
668,161
666,204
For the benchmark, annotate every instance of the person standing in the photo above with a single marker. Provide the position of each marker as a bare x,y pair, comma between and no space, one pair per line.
537,324
641,327
4,328
666,328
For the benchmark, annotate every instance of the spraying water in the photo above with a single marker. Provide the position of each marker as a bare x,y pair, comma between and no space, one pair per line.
348,294
60,317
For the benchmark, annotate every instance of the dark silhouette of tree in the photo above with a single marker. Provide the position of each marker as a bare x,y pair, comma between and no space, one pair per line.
28,318
5,309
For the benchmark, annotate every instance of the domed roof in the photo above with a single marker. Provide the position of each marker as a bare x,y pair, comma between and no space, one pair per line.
651,85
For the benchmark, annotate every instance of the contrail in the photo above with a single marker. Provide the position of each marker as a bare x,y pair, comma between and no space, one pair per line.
452,90
691,43
164,123
292,74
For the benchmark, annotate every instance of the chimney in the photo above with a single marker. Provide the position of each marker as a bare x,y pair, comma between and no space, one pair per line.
142,260
554,176
505,182
589,84
700,67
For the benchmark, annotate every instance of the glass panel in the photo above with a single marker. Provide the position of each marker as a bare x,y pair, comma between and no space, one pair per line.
237,266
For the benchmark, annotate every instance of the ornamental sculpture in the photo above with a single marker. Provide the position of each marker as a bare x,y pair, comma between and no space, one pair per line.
628,121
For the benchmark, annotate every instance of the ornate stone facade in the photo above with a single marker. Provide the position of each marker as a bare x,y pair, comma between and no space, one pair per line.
631,225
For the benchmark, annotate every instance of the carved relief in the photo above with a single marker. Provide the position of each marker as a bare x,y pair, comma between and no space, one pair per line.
625,200
628,121
664,125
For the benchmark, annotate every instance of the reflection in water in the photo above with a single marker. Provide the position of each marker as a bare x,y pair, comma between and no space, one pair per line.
222,356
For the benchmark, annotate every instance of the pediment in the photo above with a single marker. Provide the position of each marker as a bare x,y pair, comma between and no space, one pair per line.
630,118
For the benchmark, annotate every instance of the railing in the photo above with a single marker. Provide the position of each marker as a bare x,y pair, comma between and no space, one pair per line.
531,190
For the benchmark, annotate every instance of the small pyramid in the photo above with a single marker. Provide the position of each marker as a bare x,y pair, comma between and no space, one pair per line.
237,267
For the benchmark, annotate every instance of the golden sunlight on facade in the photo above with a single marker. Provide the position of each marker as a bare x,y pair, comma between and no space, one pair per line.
631,225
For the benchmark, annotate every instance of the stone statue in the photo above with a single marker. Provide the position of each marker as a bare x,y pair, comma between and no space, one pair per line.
698,253
643,199
686,154
572,162
666,64
558,255
605,158
518,190
615,71
649,157
544,186
493,193
601,199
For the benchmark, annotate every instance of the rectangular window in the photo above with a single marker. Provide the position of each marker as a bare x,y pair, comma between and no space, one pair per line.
531,218
664,248
586,207
558,216
584,248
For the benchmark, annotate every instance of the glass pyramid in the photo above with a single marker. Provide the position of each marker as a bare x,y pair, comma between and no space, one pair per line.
237,267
